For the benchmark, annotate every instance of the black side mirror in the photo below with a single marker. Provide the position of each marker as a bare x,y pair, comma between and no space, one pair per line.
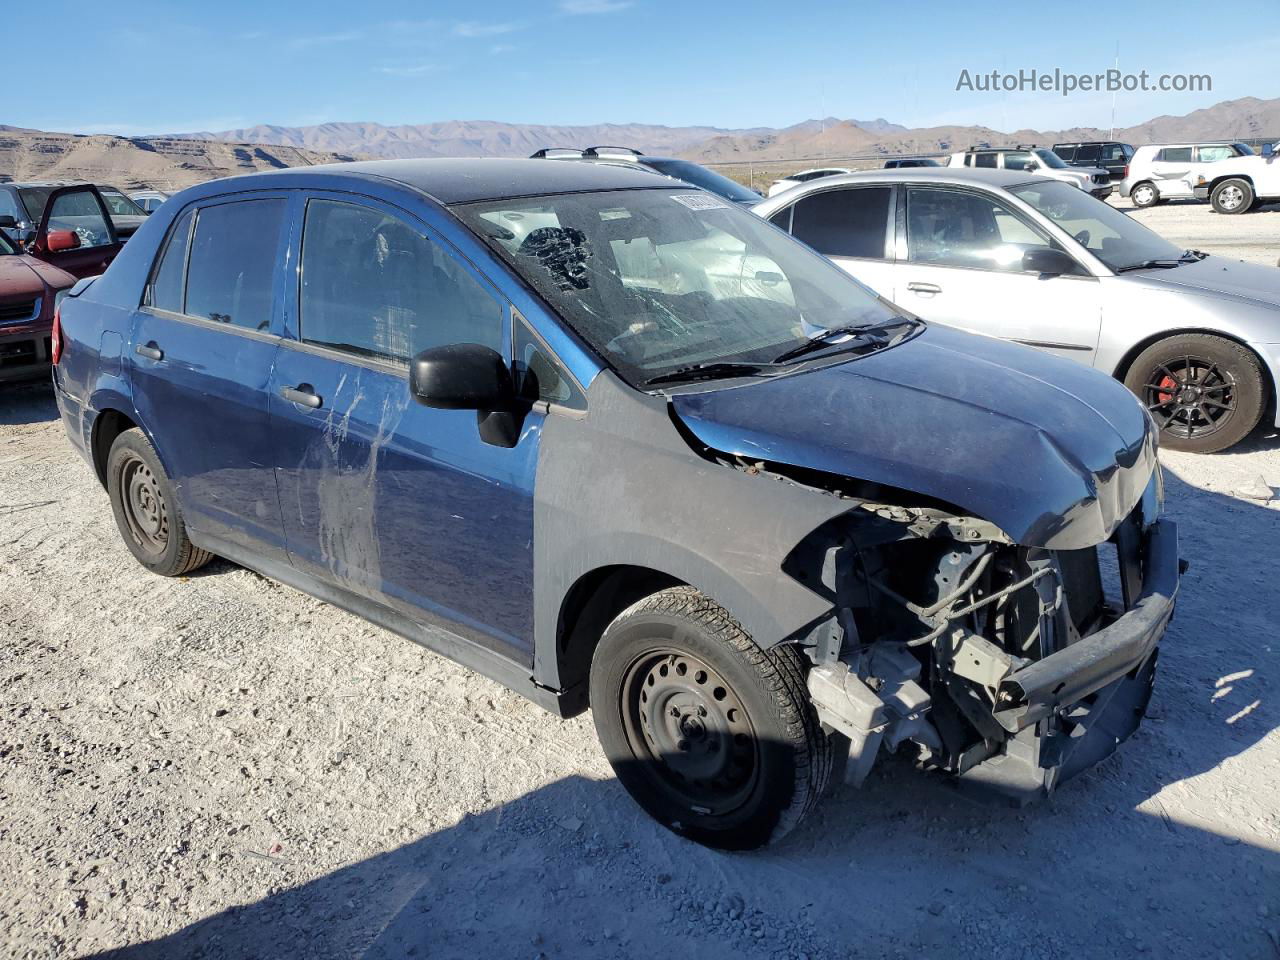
6,220
1047,261
461,376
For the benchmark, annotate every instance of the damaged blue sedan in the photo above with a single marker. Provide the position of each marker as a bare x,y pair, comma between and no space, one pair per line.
618,444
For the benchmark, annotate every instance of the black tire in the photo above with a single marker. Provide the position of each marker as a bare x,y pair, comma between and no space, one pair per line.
1233,196
1206,393
728,751
1144,195
146,508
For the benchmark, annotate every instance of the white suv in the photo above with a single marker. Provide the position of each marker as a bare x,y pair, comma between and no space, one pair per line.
1242,183
1039,160
1170,171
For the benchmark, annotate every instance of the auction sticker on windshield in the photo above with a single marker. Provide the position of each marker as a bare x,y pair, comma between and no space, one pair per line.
699,201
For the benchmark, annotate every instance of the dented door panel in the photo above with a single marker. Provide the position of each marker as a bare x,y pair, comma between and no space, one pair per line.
403,504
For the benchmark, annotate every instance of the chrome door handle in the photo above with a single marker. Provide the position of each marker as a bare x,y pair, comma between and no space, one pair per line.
149,350
924,287
301,394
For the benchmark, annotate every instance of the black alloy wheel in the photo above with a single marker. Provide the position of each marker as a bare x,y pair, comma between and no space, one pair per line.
1204,392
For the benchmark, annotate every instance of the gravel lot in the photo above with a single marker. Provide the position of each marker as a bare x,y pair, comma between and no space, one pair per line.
219,766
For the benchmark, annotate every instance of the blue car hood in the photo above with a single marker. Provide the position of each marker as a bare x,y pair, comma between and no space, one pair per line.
1052,452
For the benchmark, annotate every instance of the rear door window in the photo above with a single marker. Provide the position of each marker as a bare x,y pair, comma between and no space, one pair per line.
850,222
1065,152
233,262
1088,154
374,286
987,160
1175,155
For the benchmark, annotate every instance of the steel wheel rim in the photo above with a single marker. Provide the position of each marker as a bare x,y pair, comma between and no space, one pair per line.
690,732
1143,194
1190,397
1231,197
145,511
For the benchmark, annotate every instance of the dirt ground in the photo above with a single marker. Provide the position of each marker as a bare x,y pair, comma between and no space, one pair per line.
219,766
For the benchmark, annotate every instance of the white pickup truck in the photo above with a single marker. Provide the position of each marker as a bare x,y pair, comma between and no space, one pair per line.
1240,184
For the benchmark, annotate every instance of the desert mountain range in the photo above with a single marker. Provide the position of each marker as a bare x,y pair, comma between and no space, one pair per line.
1248,117
177,160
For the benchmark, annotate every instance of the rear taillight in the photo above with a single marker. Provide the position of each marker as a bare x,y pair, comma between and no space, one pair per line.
55,338
1126,171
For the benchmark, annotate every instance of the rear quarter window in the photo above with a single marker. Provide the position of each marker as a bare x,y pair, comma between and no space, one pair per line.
167,280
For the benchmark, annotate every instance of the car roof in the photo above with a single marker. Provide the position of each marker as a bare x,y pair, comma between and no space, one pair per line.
1191,143
953,176
44,183
475,178
985,177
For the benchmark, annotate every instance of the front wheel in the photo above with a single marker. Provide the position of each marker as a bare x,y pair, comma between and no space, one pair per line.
1232,196
714,737
1205,393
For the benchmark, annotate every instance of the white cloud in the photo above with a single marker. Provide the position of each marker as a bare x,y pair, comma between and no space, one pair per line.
409,70
500,48
324,39
472,28
578,7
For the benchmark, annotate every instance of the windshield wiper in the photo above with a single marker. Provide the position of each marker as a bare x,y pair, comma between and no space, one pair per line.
1166,264
826,337
707,371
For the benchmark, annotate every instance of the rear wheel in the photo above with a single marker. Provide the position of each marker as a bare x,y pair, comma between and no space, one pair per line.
1232,196
146,508
1144,195
713,736
1204,392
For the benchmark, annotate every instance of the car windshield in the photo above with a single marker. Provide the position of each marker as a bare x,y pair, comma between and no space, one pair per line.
658,281
704,178
1115,239
34,199
119,204
1050,159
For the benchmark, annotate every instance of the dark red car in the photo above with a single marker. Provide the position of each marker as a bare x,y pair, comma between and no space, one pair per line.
67,226
29,293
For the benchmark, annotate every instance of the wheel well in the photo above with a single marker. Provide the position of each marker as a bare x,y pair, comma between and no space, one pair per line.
108,425
1230,176
1122,370
590,606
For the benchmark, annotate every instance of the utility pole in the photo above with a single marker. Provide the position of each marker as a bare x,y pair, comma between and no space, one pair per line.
1113,94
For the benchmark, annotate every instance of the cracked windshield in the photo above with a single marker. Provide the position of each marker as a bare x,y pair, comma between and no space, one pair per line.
667,283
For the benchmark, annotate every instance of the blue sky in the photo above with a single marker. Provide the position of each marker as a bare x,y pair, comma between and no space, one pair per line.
148,67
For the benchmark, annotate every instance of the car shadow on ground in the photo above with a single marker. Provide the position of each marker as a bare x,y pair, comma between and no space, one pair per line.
27,402
1132,857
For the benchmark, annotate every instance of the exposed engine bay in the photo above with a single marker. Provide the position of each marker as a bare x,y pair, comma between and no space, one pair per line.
982,658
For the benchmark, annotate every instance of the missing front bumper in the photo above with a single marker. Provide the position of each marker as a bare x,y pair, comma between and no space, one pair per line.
1041,688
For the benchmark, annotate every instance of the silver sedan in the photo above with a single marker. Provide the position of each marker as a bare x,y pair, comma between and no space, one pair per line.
1037,261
